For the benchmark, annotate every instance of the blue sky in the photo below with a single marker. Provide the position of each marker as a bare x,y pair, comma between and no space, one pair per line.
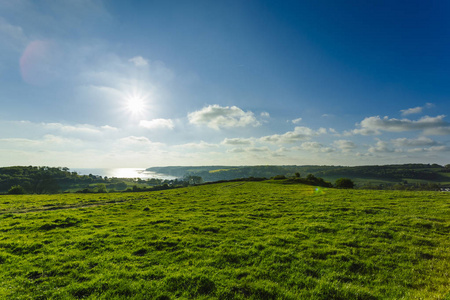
151,83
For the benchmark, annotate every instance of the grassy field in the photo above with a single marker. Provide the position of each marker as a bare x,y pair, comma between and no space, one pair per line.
240,240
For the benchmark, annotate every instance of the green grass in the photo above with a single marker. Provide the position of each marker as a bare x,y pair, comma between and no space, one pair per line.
240,240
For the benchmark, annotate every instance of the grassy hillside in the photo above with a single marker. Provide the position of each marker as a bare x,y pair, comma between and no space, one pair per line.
239,240
405,176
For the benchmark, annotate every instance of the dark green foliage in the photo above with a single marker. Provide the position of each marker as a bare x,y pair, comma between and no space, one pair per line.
16,190
310,180
344,183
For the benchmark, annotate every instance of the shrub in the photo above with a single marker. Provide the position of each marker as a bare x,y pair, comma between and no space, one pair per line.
16,190
344,183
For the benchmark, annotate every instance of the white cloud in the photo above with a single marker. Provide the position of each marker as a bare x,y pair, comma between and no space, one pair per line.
420,141
374,125
430,149
444,130
362,131
137,143
82,128
216,117
299,134
157,124
139,61
107,127
197,146
237,141
250,150
236,150
47,142
411,111
332,130
314,147
296,121
68,130
135,140
380,147
265,114
257,149
415,110
344,145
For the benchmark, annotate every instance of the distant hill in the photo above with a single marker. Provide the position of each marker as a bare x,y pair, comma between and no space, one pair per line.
364,176
50,180
39,180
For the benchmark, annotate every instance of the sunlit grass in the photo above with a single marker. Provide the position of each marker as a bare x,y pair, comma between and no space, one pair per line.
251,240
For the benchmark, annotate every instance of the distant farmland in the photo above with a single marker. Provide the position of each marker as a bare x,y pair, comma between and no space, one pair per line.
234,240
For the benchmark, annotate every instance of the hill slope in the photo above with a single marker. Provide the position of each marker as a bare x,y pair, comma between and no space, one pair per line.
364,176
240,240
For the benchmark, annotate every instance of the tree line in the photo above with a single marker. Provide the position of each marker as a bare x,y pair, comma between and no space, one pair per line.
50,180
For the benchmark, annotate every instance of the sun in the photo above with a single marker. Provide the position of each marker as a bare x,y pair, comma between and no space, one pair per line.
136,105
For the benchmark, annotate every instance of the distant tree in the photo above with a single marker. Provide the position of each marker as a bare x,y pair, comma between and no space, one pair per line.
101,188
344,183
194,179
121,186
279,177
16,190
311,178
297,175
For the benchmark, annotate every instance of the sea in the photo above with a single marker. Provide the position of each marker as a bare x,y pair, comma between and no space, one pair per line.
122,173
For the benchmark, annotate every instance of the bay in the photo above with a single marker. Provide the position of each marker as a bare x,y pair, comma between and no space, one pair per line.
122,173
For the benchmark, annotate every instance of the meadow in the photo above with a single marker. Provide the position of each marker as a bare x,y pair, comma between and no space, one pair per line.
233,240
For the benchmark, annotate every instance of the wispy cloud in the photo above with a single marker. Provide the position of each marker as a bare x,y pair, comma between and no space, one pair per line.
157,124
296,121
415,110
300,133
137,143
47,142
11,36
139,61
197,146
69,130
